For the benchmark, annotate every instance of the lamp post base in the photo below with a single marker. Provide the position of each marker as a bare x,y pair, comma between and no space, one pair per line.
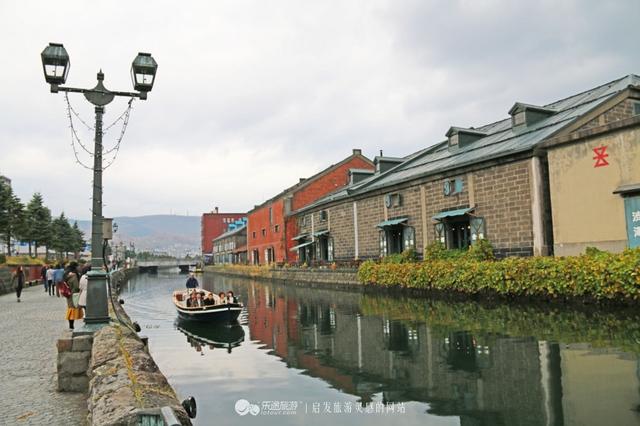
89,329
97,309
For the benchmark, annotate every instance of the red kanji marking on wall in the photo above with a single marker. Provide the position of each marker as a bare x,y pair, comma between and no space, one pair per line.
600,156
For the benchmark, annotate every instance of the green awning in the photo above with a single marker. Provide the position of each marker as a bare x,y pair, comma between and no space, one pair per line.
298,237
324,231
452,213
392,222
300,246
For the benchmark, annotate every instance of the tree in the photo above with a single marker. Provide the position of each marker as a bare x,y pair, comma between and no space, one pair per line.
12,216
77,237
38,222
62,235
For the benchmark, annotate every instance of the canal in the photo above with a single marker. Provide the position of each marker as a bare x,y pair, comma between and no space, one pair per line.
316,356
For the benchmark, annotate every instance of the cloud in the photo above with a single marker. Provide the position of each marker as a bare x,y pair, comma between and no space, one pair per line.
251,96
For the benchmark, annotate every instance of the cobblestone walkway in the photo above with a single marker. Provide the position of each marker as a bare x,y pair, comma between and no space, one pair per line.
28,334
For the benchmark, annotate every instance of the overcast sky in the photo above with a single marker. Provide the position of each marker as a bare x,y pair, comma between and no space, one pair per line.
252,95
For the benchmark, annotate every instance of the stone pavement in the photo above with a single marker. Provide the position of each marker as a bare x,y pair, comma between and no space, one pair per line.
28,334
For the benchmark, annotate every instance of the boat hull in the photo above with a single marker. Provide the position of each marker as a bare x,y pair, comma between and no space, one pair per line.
217,313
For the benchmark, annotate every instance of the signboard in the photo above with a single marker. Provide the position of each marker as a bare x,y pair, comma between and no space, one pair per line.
632,214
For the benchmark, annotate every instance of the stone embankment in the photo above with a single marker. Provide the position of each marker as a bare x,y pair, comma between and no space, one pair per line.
124,384
335,278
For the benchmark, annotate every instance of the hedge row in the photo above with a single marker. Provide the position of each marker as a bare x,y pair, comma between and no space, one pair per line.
597,276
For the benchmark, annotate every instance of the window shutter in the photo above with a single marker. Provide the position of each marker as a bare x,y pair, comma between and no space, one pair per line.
330,249
408,237
383,243
477,229
439,228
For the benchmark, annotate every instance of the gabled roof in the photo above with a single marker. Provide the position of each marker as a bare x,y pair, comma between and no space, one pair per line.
307,181
230,233
520,106
501,140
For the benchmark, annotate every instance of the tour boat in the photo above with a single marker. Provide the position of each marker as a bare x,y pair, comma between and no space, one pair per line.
224,336
227,312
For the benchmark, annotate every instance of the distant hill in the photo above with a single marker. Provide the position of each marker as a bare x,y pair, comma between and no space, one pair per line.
171,233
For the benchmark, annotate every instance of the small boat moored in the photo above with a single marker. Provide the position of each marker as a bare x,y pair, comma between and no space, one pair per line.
222,312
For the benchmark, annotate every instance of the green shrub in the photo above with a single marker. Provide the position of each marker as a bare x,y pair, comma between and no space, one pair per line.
437,251
602,277
407,256
481,250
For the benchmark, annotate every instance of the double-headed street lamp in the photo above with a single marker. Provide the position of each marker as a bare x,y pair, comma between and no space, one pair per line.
55,64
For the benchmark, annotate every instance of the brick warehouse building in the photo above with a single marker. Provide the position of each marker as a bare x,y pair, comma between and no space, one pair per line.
271,230
212,225
489,181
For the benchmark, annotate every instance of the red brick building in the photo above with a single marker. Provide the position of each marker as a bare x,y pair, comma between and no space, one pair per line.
213,225
271,230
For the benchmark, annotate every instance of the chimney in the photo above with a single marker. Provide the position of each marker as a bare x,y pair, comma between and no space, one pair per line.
215,210
357,152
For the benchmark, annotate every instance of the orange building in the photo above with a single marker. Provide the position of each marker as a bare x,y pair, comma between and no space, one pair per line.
271,230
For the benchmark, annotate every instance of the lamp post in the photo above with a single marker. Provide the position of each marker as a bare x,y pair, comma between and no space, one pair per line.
55,65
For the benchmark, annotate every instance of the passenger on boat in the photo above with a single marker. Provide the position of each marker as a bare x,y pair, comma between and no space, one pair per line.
192,282
223,299
191,301
209,300
231,298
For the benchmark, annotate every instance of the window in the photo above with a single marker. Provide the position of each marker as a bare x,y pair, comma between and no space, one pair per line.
393,200
254,235
270,215
264,232
323,215
277,228
636,108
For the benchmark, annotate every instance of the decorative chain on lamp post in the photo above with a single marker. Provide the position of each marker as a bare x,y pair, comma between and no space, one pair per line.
56,64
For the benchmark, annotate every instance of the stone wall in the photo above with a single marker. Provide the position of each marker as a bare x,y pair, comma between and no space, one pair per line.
503,197
337,278
32,273
125,381
74,355
624,109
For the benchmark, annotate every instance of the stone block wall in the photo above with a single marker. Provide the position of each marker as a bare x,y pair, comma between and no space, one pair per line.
624,109
503,198
342,231
370,213
74,354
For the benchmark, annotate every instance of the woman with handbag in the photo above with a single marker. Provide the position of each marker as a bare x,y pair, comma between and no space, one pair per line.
18,281
74,312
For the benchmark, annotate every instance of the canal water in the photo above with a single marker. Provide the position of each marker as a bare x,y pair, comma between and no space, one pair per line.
315,356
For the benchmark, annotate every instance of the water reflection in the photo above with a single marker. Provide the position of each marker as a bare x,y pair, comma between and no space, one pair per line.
449,363
488,366
206,336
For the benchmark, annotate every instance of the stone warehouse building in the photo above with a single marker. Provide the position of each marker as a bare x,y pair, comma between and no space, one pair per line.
271,231
503,181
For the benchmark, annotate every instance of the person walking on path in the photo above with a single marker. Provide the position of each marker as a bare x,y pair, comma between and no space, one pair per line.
58,276
18,281
73,311
50,272
43,275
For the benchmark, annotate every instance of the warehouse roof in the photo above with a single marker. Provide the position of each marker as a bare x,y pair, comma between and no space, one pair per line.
502,140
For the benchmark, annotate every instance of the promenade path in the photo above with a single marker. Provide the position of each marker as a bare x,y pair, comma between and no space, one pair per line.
28,334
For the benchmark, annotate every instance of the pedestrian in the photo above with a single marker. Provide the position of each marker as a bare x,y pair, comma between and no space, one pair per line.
50,272
84,282
73,311
43,275
17,281
58,276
